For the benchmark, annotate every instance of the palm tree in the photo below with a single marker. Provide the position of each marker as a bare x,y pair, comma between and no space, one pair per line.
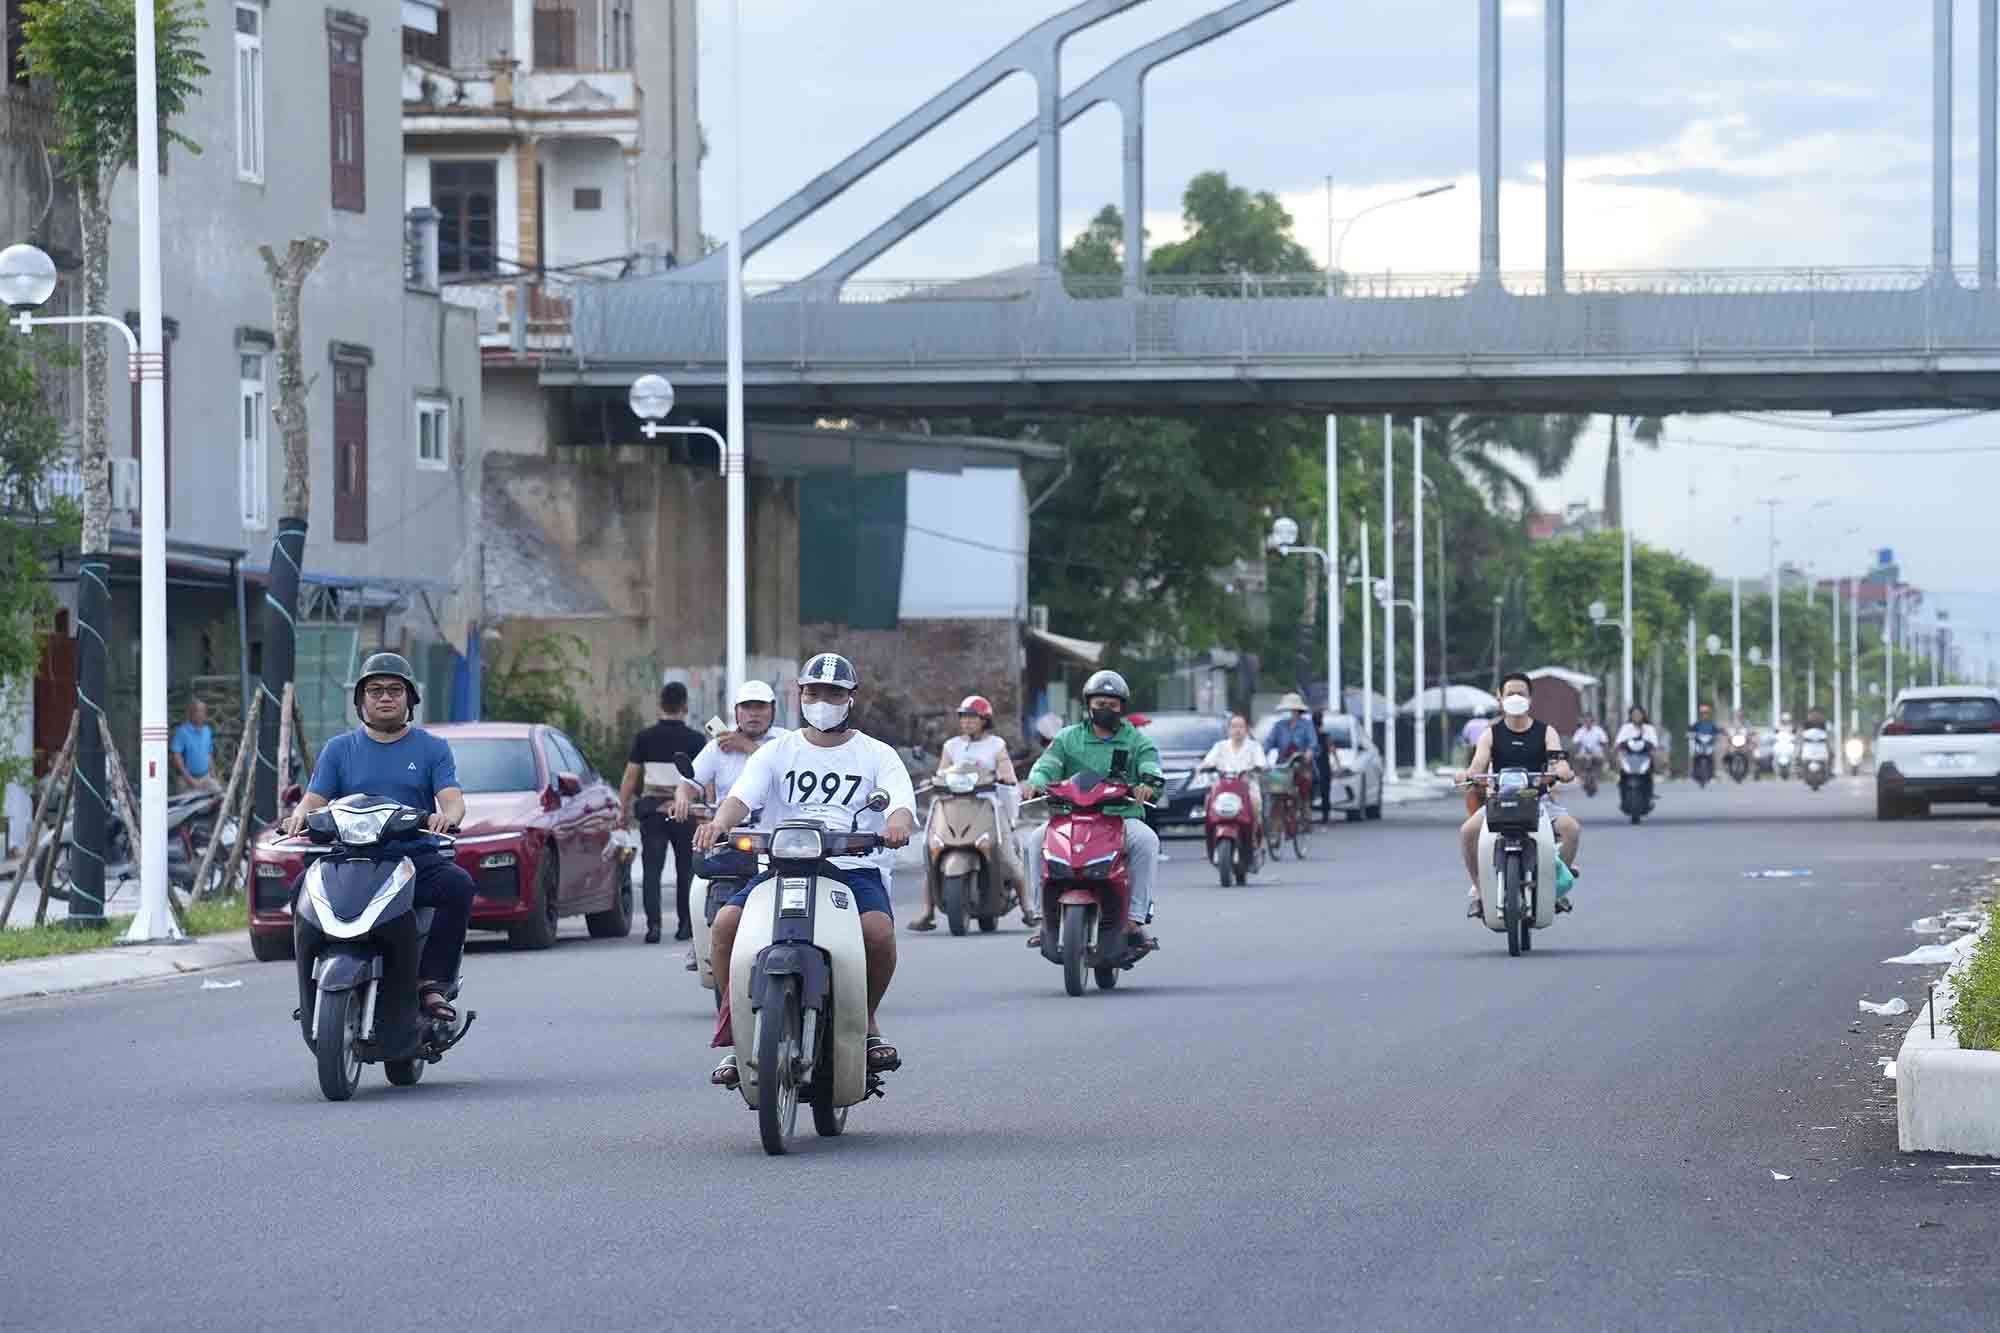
1646,431
1486,449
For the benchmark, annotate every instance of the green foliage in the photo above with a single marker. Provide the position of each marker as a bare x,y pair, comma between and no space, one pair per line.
1975,1009
34,524
534,683
1566,576
1098,250
1231,230
84,48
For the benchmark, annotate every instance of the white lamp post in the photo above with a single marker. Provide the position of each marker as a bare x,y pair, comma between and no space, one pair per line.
27,280
737,636
1284,540
1333,262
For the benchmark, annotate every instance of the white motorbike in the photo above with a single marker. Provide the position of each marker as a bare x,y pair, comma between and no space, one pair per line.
719,875
798,983
1815,757
1784,753
1517,890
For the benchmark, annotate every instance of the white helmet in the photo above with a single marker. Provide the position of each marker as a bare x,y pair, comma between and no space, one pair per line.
754,692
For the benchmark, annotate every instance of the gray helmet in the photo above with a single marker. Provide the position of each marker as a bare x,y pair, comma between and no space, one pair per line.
1107,682
828,669
387,664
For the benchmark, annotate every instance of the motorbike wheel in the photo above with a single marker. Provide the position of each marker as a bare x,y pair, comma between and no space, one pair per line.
405,1073
956,891
1510,873
988,924
1301,837
271,948
1107,977
339,1044
778,1037
1075,946
1225,860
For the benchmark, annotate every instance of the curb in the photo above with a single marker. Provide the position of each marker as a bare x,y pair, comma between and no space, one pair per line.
1947,1098
66,974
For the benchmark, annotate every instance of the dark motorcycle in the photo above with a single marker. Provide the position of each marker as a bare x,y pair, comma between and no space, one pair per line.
191,824
1737,761
1702,766
1635,779
1589,768
358,936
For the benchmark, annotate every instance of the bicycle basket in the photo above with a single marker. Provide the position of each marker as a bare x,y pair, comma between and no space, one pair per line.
1514,811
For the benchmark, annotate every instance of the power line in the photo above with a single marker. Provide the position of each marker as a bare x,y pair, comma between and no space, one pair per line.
1877,422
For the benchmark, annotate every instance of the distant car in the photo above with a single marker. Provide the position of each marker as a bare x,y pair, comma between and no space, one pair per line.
1357,764
537,821
1183,737
1942,743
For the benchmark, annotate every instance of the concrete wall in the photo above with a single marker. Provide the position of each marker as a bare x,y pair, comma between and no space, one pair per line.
912,677
516,412
667,212
972,561
577,237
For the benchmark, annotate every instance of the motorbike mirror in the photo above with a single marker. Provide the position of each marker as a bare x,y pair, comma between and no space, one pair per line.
568,784
879,802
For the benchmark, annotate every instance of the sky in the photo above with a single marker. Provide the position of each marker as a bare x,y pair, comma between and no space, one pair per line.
1705,134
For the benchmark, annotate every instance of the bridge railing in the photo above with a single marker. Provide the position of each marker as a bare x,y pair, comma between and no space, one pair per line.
1024,319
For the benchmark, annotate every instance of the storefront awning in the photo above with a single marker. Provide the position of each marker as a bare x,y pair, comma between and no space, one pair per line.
1081,651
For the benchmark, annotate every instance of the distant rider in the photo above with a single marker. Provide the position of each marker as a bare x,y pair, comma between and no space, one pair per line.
977,749
722,760
1089,746
1291,735
1237,754
1535,747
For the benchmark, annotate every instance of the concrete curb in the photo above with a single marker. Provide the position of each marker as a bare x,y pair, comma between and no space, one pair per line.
1947,1098
65,974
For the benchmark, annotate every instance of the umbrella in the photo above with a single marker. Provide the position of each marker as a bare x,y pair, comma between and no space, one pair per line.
1353,699
1457,699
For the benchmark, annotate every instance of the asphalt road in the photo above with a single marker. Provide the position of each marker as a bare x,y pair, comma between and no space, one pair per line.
1330,1102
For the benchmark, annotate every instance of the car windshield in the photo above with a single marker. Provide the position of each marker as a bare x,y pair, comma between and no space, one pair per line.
1340,733
492,764
1196,732
1940,715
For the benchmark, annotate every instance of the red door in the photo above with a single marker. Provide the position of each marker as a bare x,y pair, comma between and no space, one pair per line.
350,452
55,693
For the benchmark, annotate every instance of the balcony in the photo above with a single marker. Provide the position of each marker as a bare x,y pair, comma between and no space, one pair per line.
496,98
548,302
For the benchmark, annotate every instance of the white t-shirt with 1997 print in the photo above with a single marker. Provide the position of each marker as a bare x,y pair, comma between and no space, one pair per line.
790,778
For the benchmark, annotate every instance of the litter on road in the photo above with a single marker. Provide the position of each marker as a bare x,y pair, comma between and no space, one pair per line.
1779,1175
220,985
1928,925
1888,1066
1895,1006
1799,873
1930,955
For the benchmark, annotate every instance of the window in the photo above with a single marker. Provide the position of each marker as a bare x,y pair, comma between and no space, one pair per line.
350,451
250,93
570,759
587,199
431,48
350,190
555,34
253,468
463,195
433,433
495,765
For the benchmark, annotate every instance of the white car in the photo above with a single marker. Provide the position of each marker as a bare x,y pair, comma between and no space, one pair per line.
1941,744
1357,764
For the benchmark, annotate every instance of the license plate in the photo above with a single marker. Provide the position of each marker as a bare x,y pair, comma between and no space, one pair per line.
1948,759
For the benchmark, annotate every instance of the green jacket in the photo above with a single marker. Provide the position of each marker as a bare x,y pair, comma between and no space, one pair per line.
1077,749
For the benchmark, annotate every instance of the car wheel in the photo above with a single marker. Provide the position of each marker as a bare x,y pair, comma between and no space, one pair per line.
615,921
1887,807
270,946
539,930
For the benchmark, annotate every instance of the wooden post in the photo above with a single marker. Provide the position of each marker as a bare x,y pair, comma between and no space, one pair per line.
245,815
46,873
58,774
287,709
299,735
229,796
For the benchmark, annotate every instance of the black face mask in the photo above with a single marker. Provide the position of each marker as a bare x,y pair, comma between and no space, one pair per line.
1106,718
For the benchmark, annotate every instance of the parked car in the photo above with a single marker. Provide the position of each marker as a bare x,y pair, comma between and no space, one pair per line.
1941,743
1183,737
537,821
1357,764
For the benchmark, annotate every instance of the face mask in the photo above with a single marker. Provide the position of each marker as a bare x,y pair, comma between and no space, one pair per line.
1104,717
1515,705
826,716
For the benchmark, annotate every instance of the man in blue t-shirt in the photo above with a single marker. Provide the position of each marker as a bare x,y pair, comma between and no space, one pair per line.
389,758
193,748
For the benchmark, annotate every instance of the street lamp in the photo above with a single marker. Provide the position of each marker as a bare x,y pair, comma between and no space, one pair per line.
652,400
1284,540
1333,264
27,281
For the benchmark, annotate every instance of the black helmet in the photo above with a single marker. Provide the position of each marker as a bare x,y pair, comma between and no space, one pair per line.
828,669
1107,682
387,664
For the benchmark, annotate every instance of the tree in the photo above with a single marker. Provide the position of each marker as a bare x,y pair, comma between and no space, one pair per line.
1232,231
1485,449
1099,249
1646,431
288,543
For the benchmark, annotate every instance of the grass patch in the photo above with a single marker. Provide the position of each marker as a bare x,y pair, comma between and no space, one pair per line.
1975,1010
209,916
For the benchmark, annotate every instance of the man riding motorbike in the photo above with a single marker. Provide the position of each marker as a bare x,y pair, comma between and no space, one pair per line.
1519,741
1704,729
1237,753
826,771
388,757
722,759
976,748
1586,748
1090,747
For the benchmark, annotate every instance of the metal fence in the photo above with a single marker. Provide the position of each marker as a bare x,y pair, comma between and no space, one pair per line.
1026,320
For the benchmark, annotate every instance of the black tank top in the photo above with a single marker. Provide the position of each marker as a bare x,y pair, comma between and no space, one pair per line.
1520,749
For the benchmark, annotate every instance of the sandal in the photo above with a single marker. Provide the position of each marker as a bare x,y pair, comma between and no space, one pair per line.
924,923
433,1002
882,1056
724,1075
1140,941
1035,940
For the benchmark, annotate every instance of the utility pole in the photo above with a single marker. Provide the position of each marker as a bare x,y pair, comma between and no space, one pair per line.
1367,640
1336,573
1389,592
1417,594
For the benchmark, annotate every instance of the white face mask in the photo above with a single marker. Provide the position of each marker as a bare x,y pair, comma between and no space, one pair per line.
826,716
1515,705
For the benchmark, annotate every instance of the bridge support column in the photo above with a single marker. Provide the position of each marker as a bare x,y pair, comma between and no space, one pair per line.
1489,140
1989,116
1941,141
1048,154
1553,110
1133,108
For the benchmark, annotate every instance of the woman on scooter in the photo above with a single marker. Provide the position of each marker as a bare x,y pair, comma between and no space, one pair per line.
1237,753
977,748
1519,741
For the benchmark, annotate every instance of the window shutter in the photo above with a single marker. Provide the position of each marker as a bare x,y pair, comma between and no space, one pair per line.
350,452
348,121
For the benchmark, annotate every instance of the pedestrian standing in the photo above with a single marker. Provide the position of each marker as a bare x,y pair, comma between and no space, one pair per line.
669,741
193,748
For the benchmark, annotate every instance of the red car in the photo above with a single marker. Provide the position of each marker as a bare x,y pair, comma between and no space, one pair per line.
537,821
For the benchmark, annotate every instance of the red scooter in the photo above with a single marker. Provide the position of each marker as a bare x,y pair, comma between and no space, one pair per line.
1232,827
1086,883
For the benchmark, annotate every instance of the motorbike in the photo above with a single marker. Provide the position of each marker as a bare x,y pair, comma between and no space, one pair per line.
1589,768
1635,778
971,873
798,983
1230,827
1784,754
191,824
1815,757
1701,763
1737,761
1289,786
1086,882
719,875
358,935
1519,845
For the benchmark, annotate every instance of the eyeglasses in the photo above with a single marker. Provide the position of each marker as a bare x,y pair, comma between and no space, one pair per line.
384,691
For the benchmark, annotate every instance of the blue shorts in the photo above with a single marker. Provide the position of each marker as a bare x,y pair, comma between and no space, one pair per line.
870,895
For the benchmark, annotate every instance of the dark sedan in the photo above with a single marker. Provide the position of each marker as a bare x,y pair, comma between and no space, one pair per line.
537,821
1183,739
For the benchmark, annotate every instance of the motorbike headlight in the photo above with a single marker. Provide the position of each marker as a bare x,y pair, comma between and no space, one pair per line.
961,783
1229,805
360,828
796,844
1855,749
